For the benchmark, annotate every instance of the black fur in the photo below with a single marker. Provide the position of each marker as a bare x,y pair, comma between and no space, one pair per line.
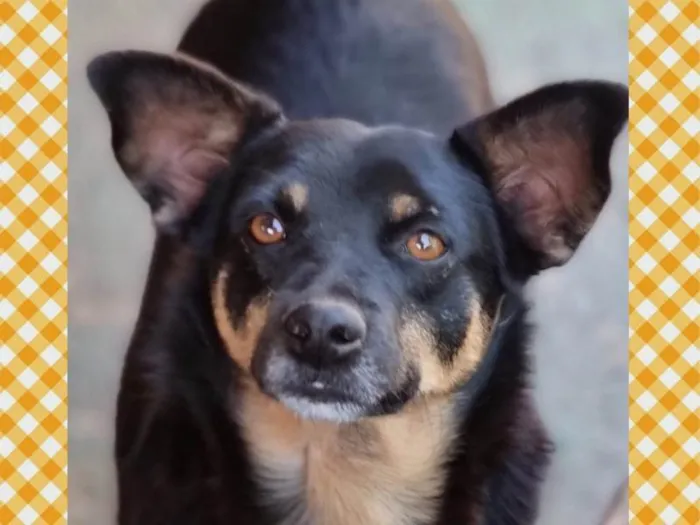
311,56
391,63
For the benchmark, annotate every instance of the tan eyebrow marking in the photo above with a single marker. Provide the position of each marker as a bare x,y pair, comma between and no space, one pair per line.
403,206
298,195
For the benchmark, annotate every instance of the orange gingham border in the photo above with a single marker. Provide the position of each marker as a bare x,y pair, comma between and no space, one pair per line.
33,273
663,266
664,172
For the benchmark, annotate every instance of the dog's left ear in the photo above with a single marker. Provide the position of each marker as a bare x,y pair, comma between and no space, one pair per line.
546,156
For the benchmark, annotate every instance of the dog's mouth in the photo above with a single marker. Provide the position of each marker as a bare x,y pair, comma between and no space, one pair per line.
320,391
339,394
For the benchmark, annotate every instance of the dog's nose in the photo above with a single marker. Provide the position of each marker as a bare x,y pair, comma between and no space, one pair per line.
325,332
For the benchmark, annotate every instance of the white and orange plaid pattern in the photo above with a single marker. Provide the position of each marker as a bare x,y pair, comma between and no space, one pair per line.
664,172
33,217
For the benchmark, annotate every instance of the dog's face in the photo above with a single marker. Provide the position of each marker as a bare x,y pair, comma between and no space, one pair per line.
351,269
356,268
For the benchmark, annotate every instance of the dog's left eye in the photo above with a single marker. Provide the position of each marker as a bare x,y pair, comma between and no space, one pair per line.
267,229
425,246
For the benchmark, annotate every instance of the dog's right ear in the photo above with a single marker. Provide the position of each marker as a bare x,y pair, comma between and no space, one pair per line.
546,158
176,123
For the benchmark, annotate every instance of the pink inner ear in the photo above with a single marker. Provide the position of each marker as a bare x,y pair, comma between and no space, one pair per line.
542,155
190,175
175,122
179,150
546,187
537,208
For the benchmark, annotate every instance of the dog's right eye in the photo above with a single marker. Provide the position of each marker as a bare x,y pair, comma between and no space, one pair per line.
267,229
426,246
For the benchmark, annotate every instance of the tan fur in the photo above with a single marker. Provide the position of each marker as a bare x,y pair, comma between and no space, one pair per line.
378,471
240,342
298,195
419,344
387,470
363,473
403,206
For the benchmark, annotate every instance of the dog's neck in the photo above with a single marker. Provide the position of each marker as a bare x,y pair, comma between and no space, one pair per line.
387,470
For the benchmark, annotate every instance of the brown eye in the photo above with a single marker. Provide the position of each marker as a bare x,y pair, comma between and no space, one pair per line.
267,229
425,246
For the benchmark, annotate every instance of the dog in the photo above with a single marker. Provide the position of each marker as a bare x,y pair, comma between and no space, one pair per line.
333,331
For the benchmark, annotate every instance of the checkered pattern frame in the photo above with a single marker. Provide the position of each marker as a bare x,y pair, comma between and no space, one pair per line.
33,273
664,128
663,277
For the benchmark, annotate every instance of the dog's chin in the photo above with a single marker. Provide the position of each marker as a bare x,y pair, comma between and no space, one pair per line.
318,410
316,404
319,402
337,395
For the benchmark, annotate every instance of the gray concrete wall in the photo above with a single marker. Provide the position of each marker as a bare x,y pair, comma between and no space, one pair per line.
580,310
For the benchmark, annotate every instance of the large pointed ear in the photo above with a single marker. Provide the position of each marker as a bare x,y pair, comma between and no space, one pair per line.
546,158
176,123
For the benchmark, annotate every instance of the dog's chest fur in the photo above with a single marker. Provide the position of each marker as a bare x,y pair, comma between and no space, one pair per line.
384,471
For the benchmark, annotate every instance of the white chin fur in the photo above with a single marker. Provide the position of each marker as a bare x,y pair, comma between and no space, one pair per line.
334,412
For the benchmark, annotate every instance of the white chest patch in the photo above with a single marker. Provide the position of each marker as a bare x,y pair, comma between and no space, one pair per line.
381,471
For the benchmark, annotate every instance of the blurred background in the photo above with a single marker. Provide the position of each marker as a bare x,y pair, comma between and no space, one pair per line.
580,310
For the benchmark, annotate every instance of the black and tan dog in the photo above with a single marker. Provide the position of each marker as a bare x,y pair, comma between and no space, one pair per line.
333,331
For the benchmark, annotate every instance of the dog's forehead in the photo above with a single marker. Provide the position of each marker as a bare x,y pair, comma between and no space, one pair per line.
328,160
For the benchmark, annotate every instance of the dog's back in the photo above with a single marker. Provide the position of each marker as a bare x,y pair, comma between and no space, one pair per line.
319,58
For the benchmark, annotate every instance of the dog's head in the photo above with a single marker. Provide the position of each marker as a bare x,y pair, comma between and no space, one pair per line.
355,268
